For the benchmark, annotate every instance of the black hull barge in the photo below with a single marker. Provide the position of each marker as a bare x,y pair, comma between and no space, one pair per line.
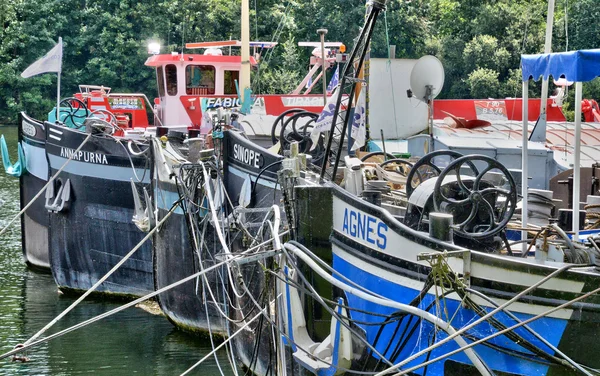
185,244
34,223
92,207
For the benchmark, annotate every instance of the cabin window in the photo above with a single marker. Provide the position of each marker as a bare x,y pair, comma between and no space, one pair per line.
229,81
160,77
171,73
200,79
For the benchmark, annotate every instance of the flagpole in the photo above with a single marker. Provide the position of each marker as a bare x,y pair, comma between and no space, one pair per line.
58,86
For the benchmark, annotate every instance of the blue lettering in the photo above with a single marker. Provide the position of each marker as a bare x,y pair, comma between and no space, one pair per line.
345,226
361,226
370,229
381,230
365,227
352,223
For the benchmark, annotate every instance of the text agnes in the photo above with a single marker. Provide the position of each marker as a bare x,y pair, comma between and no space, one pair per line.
365,227
84,156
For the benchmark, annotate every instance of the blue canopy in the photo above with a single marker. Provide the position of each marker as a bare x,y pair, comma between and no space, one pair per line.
576,66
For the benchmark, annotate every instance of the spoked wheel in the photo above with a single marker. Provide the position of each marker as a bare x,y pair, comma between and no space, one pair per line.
105,115
399,165
377,157
425,169
71,112
486,207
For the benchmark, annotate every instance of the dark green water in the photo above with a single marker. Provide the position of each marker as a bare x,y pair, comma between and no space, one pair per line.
131,342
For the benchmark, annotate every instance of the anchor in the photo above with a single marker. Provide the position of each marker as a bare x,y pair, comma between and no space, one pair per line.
143,218
19,167
60,201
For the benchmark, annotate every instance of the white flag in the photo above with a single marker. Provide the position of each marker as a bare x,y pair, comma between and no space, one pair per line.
359,122
323,123
51,62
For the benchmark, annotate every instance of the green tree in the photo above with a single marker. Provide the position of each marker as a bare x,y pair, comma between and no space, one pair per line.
483,83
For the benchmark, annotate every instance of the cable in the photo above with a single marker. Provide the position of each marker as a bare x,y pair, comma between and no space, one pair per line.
46,185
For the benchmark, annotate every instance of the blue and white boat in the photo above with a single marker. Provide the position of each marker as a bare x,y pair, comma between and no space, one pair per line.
518,314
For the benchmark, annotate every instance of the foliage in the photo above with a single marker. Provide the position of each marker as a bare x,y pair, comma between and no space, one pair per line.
478,41
484,82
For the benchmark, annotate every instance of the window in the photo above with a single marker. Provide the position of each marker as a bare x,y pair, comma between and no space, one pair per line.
171,73
229,81
160,77
200,80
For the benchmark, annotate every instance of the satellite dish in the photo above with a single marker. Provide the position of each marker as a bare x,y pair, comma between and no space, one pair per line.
427,78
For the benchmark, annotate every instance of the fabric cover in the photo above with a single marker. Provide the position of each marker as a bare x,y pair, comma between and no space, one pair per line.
576,66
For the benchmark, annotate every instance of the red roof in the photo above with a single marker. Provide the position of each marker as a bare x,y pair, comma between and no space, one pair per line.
158,60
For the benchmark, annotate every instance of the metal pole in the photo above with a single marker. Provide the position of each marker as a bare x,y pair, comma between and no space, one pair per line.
539,131
245,73
576,161
322,33
58,83
547,50
524,162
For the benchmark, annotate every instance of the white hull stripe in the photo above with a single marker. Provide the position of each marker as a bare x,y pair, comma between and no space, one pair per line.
416,285
54,137
55,131
401,248
98,171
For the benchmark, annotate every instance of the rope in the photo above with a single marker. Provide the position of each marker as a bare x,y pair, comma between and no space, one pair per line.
592,216
492,336
452,333
480,320
128,305
104,278
224,342
46,185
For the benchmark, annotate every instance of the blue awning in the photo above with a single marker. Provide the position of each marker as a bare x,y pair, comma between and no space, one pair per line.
576,66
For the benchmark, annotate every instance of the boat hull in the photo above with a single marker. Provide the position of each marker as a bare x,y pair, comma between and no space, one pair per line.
34,223
191,306
376,252
244,160
94,231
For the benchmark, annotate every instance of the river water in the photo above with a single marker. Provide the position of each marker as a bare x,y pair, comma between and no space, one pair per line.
130,342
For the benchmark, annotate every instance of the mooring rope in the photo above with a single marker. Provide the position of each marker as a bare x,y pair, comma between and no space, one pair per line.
492,336
453,333
235,257
46,185
480,320
104,278
224,342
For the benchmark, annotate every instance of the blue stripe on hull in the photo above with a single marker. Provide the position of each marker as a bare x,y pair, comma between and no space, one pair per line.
550,328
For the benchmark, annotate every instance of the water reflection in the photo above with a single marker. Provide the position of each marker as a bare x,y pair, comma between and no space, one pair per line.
130,342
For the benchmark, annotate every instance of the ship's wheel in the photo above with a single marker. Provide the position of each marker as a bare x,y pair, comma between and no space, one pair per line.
485,207
69,111
425,168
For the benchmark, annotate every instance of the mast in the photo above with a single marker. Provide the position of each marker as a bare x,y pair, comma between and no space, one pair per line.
539,132
349,79
245,72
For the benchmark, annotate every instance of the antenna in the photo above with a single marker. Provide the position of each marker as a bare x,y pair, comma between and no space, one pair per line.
426,82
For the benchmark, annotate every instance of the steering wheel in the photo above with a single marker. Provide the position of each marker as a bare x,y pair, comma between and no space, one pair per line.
286,138
281,120
105,115
480,194
102,126
398,162
382,156
425,169
72,104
